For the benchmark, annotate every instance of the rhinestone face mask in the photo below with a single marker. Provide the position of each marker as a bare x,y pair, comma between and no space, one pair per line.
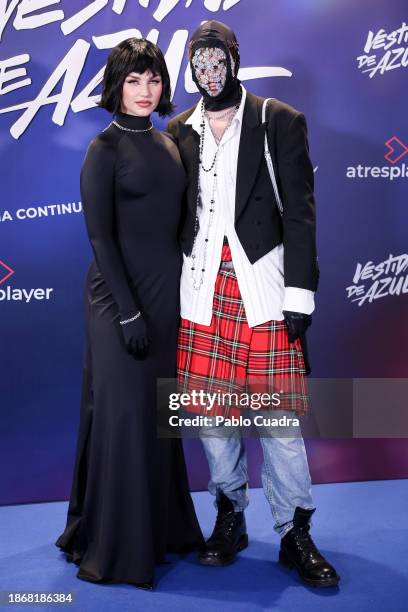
210,67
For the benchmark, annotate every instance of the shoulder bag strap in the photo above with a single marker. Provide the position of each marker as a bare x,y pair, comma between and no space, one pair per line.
269,161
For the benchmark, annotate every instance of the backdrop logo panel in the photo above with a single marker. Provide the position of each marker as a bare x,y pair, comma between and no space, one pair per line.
10,294
46,211
52,58
391,51
14,75
5,272
396,151
386,278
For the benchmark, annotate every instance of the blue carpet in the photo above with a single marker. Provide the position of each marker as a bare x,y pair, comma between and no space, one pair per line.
360,526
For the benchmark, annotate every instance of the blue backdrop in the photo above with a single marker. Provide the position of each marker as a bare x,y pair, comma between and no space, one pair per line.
343,63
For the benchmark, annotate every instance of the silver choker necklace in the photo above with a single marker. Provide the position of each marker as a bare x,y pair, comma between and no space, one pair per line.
125,129
221,117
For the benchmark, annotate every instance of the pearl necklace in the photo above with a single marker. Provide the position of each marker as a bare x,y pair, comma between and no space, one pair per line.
197,282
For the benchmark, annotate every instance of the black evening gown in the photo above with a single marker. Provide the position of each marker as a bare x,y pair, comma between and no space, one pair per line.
130,502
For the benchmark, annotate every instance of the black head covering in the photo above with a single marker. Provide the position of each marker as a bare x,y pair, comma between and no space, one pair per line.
216,34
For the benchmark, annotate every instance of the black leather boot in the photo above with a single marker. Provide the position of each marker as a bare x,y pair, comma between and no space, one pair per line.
299,551
228,538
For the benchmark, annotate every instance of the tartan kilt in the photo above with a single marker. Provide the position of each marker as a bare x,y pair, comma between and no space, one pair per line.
230,357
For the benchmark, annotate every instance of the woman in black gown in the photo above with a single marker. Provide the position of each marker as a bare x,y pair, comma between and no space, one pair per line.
130,502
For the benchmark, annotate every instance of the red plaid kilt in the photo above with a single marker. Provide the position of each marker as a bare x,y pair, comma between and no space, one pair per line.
230,357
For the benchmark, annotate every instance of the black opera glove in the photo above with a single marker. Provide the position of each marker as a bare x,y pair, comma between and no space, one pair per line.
135,334
297,323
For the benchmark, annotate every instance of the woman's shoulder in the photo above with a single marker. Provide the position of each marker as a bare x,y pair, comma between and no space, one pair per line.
104,144
107,138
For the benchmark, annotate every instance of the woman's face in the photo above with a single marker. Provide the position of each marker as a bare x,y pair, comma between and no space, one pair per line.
141,93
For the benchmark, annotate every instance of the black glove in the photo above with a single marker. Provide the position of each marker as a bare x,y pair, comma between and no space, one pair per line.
136,338
297,323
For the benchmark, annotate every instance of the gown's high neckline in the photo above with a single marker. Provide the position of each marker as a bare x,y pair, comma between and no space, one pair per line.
133,122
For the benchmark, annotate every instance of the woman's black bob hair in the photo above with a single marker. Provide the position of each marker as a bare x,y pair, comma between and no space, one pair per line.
134,55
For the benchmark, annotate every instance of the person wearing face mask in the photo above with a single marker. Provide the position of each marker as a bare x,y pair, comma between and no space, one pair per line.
248,280
130,503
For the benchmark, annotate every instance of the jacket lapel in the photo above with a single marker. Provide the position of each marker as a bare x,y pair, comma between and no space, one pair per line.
189,143
251,148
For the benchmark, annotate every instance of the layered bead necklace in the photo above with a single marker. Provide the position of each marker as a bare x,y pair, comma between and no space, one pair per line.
195,267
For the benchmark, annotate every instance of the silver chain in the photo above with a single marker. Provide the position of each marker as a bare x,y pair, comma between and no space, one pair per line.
130,320
129,129
230,111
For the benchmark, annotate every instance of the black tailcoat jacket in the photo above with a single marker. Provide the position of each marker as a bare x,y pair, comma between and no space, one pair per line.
258,222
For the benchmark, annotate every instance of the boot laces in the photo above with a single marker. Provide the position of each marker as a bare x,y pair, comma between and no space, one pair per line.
224,524
304,541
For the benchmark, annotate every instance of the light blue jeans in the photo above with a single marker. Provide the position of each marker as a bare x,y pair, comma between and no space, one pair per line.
285,472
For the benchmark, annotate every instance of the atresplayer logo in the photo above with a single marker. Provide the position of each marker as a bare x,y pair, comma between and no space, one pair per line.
11,294
5,272
396,151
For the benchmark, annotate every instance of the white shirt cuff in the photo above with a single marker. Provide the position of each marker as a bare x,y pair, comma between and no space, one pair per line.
298,300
